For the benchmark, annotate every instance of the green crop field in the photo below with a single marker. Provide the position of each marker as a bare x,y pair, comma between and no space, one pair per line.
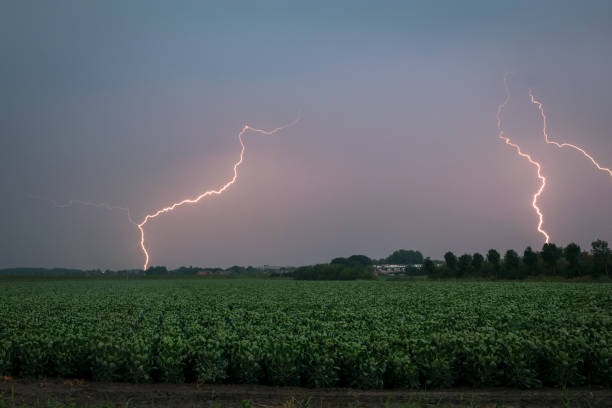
367,334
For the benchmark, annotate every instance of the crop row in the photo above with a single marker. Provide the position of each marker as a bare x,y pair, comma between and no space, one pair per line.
317,334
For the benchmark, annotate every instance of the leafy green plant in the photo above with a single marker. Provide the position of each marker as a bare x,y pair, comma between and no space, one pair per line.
366,334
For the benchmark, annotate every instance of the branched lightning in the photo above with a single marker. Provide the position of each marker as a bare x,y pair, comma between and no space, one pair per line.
205,194
537,165
560,145
174,205
72,203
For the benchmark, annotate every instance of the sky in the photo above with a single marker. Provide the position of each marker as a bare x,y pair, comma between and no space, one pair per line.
139,103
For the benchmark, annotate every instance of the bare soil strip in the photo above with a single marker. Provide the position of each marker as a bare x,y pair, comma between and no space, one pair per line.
192,395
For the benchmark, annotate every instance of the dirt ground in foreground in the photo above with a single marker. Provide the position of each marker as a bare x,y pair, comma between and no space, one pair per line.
84,393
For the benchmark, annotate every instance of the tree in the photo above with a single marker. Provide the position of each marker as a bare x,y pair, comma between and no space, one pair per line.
601,257
550,255
251,270
493,258
530,259
572,254
236,269
359,260
156,270
464,265
512,263
451,260
405,257
340,261
477,261
429,267
353,260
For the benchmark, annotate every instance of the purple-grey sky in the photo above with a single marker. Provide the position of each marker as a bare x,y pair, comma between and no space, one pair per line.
138,103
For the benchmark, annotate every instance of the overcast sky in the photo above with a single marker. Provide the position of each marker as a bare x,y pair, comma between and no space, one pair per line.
138,103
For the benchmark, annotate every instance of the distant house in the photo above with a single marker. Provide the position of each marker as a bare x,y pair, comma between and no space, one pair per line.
389,269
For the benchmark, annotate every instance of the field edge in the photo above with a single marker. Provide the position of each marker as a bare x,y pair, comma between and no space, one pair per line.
76,393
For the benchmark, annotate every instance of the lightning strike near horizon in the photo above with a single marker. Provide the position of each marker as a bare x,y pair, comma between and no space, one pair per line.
560,145
537,165
174,205
205,194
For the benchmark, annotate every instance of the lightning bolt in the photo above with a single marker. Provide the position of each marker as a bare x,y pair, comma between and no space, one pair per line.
173,206
205,194
537,165
560,145
72,203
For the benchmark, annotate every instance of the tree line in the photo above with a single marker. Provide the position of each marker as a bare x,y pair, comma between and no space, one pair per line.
151,271
569,262
552,260
356,266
